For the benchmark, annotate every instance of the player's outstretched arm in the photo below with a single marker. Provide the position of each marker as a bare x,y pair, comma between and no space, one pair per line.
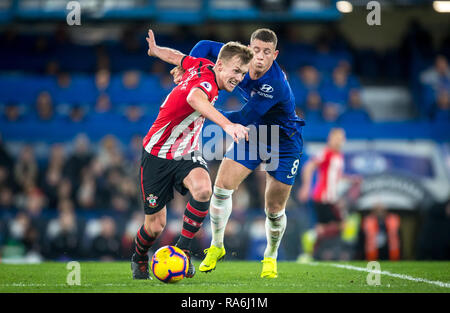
198,100
256,107
206,49
203,49
168,55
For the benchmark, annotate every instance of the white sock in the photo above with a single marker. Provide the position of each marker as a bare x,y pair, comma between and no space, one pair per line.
219,212
275,227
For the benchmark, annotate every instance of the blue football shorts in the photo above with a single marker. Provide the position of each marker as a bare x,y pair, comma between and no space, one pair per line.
280,159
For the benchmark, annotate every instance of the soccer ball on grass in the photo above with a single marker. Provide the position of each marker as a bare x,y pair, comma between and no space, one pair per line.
169,264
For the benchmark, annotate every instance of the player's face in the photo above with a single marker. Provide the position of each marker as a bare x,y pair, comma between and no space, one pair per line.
230,73
265,54
337,140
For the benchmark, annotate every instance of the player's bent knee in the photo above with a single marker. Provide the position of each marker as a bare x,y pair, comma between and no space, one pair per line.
202,193
155,227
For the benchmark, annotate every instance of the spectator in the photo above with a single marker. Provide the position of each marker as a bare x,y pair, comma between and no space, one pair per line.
103,104
442,113
134,113
52,68
63,80
86,193
325,59
131,228
106,246
63,235
102,80
103,61
110,154
12,113
104,113
337,91
23,237
309,82
6,198
313,107
131,80
44,107
159,68
54,174
310,77
65,190
6,168
129,190
438,76
79,159
26,169
34,200
77,114
356,113
134,151
330,112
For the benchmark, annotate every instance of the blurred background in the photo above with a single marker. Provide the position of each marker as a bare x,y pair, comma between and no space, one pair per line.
76,101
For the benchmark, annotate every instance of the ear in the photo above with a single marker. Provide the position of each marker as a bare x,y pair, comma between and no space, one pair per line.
219,65
275,54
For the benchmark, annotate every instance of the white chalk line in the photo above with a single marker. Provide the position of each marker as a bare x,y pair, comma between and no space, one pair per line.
387,273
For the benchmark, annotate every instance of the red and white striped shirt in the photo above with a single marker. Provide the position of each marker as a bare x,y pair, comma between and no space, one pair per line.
176,130
330,169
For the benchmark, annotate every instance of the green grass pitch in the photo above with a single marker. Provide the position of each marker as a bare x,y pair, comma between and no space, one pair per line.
232,276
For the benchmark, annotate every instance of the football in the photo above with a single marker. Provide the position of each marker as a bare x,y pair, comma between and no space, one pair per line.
169,264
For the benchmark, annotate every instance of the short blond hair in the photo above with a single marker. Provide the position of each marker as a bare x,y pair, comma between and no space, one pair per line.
234,48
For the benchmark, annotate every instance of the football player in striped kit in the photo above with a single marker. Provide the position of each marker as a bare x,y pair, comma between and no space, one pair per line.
171,157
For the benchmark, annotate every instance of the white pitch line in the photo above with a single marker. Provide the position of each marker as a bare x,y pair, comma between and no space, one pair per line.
401,276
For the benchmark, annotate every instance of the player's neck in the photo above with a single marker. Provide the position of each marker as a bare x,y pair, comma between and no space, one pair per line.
254,75
334,148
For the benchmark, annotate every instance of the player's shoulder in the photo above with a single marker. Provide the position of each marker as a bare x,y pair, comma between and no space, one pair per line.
207,73
189,61
274,81
324,154
206,80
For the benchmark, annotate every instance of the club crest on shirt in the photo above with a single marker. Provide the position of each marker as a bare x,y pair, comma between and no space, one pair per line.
152,200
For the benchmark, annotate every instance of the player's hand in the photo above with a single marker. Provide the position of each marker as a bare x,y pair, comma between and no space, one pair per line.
177,73
303,194
151,43
237,132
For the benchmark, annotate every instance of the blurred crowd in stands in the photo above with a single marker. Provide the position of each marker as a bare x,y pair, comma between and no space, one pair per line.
79,198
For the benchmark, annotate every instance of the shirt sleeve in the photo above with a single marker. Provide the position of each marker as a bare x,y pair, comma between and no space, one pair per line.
256,107
207,87
188,61
322,157
206,49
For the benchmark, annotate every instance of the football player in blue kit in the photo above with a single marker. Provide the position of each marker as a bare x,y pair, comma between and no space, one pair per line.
268,100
